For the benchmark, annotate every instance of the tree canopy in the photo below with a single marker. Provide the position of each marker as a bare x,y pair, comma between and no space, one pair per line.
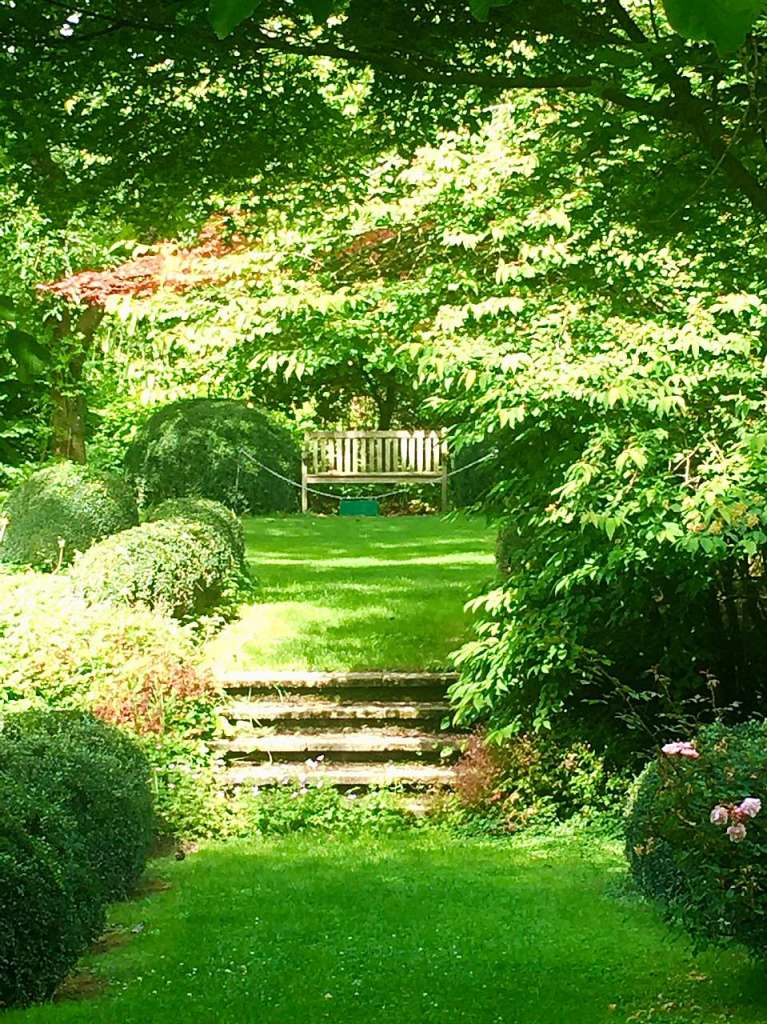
146,61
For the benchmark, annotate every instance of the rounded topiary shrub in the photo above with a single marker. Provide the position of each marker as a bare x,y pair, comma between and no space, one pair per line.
61,510
472,480
203,510
201,447
696,833
97,775
74,834
41,933
177,566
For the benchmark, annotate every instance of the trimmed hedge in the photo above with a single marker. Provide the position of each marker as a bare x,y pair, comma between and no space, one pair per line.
74,835
177,566
692,844
203,510
68,502
199,448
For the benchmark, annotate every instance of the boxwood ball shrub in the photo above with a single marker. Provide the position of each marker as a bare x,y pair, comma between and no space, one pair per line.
74,835
178,566
696,834
61,510
198,448
203,510
41,930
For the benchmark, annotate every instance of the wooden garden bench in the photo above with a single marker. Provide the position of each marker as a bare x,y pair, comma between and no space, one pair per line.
373,457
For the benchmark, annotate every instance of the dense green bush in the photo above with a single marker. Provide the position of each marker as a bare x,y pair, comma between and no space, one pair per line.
41,927
291,808
471,484
203,510
129,666
201,447
76,836
59,651
61,510
696,834
178,566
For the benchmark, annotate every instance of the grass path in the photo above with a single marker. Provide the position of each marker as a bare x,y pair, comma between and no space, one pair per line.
417,930
340,593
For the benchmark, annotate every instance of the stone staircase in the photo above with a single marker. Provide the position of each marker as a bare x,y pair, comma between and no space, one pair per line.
345,728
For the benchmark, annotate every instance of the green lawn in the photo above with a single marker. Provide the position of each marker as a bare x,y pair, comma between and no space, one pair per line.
341,593
418,929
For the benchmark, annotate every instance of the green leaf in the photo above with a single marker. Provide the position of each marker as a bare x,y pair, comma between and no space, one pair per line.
226,15
320,9
30,356
723,22
7,311
480,9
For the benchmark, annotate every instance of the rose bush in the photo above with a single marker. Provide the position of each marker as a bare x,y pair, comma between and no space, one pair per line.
697,836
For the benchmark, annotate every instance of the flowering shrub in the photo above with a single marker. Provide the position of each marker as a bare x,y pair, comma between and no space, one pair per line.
697,836
534,780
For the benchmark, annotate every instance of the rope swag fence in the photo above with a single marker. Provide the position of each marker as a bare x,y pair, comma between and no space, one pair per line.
430,476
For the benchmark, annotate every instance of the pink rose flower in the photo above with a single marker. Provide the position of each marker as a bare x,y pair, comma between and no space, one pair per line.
737,833
681,749
749,808
720,815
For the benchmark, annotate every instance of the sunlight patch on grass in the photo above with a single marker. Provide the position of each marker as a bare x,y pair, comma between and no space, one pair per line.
342,594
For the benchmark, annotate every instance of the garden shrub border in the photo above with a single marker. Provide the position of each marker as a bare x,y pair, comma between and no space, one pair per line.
75,835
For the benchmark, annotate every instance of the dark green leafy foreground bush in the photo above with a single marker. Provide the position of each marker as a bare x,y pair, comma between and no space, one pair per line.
203,510
64,503
200,447
178,566
74,834
696,834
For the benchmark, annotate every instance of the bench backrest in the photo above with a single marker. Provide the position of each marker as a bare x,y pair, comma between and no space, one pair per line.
332,454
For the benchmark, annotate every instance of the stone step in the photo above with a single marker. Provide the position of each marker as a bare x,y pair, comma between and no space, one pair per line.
265,679
313,711
342,746
341,775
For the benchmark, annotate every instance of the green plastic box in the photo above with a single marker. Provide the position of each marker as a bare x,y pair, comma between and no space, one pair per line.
358,507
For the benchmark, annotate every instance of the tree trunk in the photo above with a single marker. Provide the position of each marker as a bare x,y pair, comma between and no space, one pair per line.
68,427
387,404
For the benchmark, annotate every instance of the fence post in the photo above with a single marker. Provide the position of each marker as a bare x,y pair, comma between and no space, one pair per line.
304,491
